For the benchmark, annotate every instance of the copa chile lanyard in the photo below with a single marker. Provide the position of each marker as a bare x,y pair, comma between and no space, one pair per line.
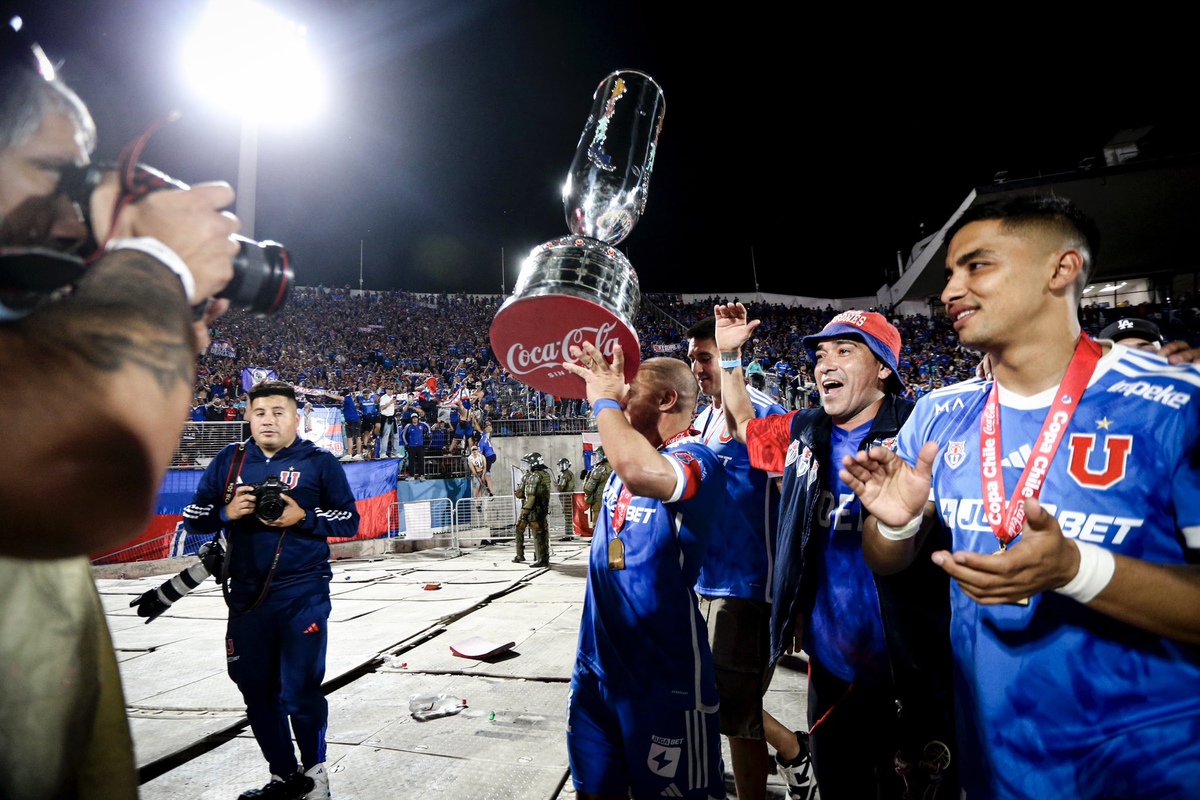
1007,521
616,547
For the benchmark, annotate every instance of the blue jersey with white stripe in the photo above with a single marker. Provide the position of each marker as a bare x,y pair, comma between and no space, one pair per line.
1055,681
741,555
642,632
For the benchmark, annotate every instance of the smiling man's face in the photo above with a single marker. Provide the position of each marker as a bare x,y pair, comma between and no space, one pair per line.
851,380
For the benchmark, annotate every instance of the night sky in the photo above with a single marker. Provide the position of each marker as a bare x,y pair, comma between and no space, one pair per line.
808,150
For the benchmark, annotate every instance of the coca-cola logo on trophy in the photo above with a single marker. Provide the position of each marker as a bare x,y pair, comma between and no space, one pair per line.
525,360
558,304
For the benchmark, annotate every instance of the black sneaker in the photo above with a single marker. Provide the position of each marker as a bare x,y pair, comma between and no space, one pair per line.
537,564
294,788
519,560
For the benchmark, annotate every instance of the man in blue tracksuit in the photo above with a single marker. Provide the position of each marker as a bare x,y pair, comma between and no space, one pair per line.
278,581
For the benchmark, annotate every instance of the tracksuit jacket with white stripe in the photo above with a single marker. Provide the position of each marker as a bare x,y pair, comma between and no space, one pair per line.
318,485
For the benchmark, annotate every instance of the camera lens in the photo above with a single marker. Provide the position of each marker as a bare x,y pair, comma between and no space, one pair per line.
271,508
262,276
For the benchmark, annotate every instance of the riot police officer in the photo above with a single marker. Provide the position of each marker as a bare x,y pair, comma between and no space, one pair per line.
534,490
564,482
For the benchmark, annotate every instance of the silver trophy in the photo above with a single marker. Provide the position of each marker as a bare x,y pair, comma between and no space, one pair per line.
581,288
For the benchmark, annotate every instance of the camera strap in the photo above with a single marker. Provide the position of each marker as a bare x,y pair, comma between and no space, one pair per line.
235,472
138,180
231,480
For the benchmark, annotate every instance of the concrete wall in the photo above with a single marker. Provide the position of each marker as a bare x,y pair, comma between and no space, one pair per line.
509,450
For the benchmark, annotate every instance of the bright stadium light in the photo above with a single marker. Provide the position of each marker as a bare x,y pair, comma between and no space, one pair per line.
254,62
251,60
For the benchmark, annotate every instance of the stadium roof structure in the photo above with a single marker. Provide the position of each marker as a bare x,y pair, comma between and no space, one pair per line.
1147,212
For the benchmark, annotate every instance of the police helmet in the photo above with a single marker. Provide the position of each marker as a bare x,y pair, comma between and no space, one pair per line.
598,455
564,463
533,459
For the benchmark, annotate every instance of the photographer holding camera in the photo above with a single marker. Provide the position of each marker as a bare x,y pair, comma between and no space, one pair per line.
85,464
279,499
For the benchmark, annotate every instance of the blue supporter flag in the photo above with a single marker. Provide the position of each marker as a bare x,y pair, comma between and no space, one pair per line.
253,375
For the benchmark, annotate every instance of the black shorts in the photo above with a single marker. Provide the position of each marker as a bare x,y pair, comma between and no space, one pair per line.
354,428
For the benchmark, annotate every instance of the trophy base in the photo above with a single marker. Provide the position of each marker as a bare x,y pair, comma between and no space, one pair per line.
570,290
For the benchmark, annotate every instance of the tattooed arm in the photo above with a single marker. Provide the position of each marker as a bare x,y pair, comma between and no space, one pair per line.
94,388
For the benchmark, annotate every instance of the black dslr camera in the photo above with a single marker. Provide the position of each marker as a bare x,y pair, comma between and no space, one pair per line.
262,271
269,496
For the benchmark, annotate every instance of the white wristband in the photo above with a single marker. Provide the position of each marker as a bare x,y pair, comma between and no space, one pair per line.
906,531
169,258
1096,568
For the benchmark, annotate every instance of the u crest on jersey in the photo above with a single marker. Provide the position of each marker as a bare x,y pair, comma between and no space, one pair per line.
1116,457
290,478
956,453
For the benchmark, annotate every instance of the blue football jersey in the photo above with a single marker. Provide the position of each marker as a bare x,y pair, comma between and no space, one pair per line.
741,555
1055,682
642,632
845,630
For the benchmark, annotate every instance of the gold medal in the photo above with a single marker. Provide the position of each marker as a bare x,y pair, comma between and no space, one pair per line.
1024,601
616,554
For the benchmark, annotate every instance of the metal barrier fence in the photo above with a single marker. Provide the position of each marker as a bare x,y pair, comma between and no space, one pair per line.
423,519
492,519
480,519
444,466
201,441
470,520
502,426
175,544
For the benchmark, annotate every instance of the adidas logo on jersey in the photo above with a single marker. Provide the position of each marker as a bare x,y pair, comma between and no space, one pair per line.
1017,458
671,791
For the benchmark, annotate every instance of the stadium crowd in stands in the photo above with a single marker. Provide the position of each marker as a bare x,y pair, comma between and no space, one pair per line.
435,349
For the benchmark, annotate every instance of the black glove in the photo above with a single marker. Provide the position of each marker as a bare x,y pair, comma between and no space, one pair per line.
149,605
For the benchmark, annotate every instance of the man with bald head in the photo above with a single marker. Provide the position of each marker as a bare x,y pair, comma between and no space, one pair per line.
643,707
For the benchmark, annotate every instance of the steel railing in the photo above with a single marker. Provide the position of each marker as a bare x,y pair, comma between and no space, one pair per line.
446,523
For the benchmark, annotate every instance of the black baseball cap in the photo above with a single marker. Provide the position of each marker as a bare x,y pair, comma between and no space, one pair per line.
1132,328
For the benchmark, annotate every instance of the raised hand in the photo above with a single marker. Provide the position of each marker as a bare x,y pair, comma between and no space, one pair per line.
892,491
189,221
604,380
733,326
